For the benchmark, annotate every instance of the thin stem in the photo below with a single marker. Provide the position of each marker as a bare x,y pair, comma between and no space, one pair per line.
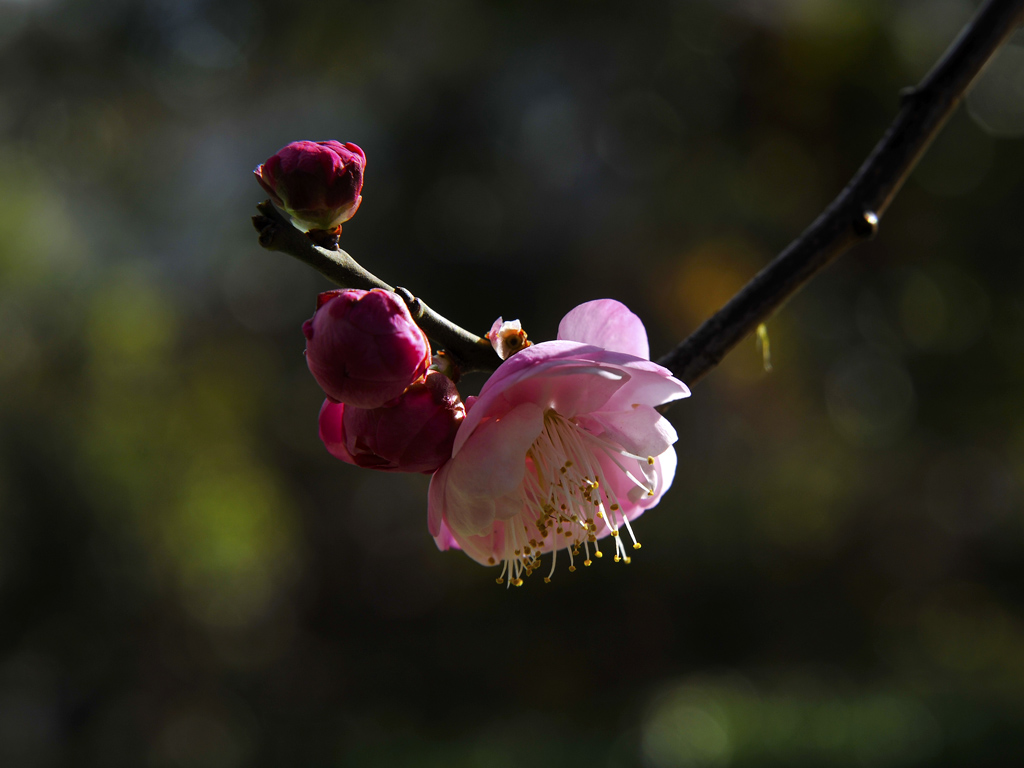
854,215
851,218
468,351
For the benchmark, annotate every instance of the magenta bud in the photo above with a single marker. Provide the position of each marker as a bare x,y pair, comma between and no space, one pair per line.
319,183
415,434
363,347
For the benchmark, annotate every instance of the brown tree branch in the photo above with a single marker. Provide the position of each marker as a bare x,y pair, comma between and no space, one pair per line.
854,215
851,218
467,350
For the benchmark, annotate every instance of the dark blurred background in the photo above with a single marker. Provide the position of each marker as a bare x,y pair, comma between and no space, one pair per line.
187,578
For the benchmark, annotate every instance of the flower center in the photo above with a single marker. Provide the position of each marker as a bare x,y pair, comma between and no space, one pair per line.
567,499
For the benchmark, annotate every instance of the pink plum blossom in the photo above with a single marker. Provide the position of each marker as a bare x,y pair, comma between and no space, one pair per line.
318,183
363,347
413,435
562,447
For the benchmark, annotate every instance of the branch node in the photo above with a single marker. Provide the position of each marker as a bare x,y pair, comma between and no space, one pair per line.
266,229
414,304
326,238
866,225
267,208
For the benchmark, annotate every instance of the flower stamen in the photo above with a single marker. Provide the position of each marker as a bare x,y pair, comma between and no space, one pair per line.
564,493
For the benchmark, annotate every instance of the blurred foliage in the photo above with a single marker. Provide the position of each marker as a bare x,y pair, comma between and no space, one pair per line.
188,579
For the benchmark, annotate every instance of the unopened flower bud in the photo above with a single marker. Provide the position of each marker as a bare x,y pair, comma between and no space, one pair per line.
318,183
363,347
415,434
507,338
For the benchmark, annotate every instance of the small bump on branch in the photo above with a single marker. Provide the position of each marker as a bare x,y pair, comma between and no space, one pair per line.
866,225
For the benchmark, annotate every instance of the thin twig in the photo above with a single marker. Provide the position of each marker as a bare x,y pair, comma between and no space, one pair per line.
854,215
851,218
469,351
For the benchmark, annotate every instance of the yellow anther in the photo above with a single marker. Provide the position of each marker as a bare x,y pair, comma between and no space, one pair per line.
518,582
568,534
615,507
490,561
587,562
616,558
547,579
601,514
650,492
572,568
650,460
499,580
628,561
517,552
599,553
614,533
636,545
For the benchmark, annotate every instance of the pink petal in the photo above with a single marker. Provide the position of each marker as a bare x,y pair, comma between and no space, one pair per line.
634,500
491,467
524,364
521,364
569,387
663,472
332,431
641,430
487,549
647,387
445,540
468,515
608,324
435,501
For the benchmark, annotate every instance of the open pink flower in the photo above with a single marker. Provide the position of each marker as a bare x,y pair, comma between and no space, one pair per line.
562,447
